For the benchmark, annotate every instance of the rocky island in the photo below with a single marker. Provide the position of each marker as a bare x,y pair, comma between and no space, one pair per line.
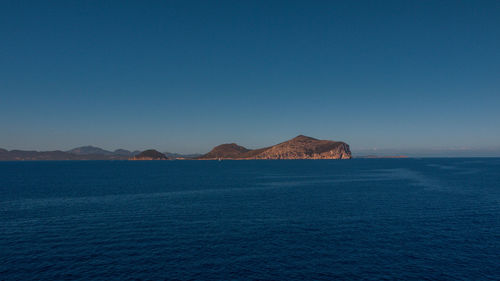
300,147
149,154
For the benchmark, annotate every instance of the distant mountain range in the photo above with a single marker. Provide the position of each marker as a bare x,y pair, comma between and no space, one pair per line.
92,150
300,147
79,153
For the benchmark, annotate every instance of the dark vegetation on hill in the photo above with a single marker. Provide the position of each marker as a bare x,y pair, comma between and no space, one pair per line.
150,154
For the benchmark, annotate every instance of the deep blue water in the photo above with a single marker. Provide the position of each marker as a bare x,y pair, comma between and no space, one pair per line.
247,220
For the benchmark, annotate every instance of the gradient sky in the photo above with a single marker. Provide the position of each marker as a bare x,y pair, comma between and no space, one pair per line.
184,76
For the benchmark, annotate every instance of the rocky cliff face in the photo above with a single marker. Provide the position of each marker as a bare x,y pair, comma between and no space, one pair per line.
300,147
150,154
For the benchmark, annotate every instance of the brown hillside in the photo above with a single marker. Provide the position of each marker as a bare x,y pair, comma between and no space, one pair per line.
300,147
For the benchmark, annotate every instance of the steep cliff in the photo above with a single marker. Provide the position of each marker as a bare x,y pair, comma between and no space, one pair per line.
300,147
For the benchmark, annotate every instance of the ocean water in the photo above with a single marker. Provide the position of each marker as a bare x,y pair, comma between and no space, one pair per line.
370,219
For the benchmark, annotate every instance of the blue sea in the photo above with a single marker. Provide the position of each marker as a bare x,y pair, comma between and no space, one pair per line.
360,219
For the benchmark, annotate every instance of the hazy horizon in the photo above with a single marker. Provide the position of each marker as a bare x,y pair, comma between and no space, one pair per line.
392,77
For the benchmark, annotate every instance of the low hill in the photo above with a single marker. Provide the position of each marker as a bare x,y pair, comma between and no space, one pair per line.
150,154
300,147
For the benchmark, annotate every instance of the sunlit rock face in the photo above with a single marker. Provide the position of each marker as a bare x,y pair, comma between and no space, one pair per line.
300,147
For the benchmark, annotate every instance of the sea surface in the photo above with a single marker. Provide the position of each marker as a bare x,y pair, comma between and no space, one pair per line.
360,219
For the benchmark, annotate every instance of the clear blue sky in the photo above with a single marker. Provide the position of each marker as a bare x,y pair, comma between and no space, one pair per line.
184,76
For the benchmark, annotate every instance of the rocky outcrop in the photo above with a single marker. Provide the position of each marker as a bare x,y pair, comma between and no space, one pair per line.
150,154
300,147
